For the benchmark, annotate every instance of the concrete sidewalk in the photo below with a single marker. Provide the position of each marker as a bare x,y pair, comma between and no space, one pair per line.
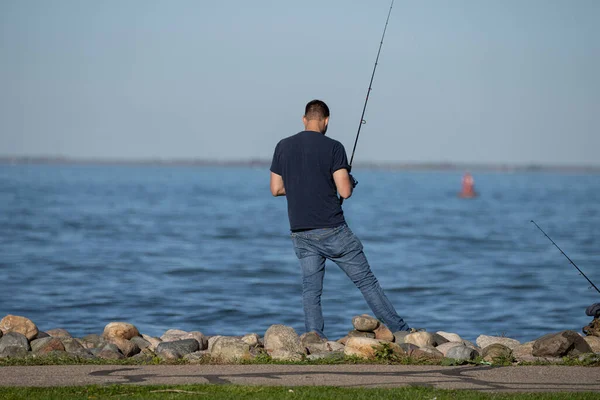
481,378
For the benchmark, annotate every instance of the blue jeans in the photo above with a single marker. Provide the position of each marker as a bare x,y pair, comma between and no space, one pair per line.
342,247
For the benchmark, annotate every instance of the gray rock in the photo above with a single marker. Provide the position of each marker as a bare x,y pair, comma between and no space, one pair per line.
40,335
173,335
444,347
111,347
154,341
451,337
283,343
313,343
14,352
365,323
140,342
14,339
212,340
484,341
357,333
177,348
399,336
565,343
408,347
230,349
461,352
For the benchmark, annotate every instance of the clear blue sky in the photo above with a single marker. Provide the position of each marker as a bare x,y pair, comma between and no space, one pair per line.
509,81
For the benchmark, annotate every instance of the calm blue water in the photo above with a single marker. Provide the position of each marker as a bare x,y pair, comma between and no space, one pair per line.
208,249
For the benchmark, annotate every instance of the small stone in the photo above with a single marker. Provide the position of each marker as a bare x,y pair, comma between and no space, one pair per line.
313,343
180,347
408,348
565,343
282,342
484,341
126,347
444,347
382,332
144,356
140,342
108,354
59,333
400,335
420,339
197,357
120,329
13,352
593,342
356,333
154,341
427,352
46,345
365,323
22,325
367,347
230,349
451,337
251,339
14,339
496,351
461,352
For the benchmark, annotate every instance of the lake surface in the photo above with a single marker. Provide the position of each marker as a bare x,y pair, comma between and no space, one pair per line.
208,249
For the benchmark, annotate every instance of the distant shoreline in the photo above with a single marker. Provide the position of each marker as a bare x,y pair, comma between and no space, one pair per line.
261,163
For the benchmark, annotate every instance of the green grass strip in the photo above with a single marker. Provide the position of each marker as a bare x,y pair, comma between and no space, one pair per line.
268,392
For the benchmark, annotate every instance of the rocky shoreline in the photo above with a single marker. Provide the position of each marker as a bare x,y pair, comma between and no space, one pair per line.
369,340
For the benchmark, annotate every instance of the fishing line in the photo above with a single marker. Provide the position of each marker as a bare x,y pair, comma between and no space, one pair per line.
362,117
580,271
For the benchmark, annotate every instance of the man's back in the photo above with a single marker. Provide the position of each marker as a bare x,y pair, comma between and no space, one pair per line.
307,161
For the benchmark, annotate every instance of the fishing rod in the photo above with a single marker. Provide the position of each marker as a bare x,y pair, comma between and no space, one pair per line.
580,271
362,120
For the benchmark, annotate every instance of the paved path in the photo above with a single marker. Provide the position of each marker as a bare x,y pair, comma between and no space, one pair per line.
482,378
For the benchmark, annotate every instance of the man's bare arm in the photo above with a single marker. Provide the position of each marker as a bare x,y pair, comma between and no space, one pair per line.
277,188
343,183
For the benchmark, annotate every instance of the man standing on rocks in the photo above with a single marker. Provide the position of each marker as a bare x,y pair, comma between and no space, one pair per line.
310,169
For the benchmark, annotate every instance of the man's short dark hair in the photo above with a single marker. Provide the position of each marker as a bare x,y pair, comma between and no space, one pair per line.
316,109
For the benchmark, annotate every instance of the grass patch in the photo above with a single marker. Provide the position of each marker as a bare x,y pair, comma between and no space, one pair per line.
264,392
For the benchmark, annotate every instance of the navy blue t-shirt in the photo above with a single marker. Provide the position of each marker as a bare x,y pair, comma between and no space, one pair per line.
307,161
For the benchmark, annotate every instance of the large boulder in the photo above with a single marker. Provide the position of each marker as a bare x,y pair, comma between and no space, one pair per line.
230,349
22,325
565,343
484,341
122,330
14,339
13,352
365,323
420,339
495,352
283,343
367,347
47,345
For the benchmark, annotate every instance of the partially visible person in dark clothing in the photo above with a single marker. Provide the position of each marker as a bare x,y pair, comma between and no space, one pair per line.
311,169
